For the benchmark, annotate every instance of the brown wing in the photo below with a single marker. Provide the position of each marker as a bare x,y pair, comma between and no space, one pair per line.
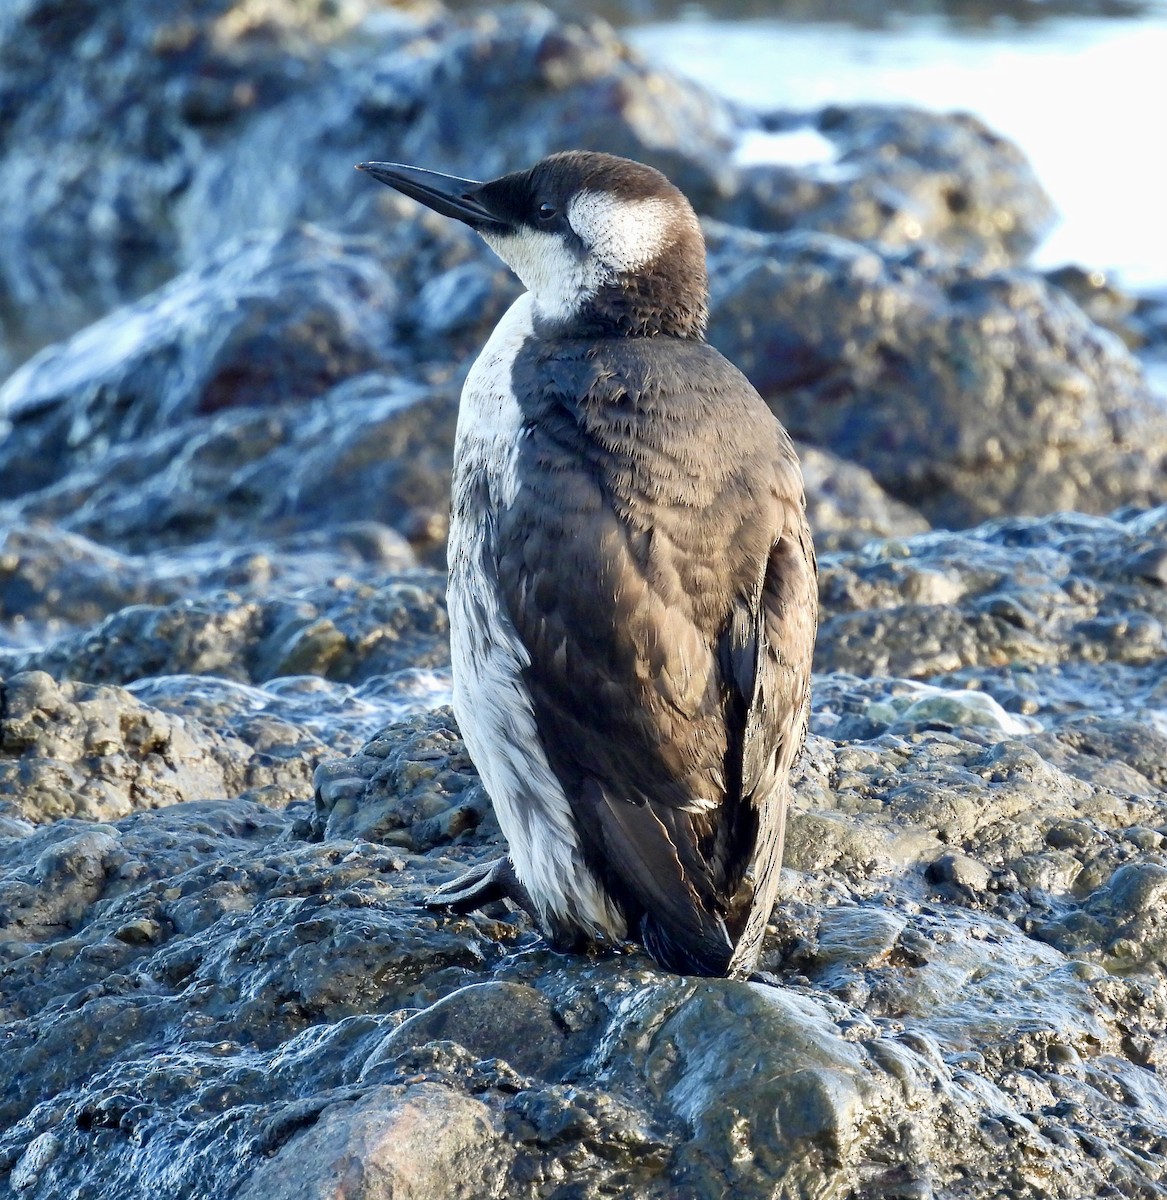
664,590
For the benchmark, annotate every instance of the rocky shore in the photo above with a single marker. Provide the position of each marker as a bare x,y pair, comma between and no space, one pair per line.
228,772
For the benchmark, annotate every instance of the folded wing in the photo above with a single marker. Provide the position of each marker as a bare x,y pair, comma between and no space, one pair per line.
663,586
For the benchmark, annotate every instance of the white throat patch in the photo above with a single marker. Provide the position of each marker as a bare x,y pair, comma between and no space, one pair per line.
618,236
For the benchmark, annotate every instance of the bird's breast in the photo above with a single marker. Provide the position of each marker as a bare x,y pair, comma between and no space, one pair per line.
490,420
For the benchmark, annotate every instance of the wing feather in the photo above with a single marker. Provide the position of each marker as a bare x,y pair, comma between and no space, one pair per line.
666,600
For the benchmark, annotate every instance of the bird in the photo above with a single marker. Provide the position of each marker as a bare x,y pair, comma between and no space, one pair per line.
632,586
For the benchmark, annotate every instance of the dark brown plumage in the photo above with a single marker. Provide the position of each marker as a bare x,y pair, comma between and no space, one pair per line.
630,544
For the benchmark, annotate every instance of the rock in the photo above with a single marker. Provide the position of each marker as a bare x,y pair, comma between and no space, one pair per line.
40,1152
967,395
53,582
91,186
846,507
274,319
295,376
938,996
370,450
491,1020
108,199
1018,601
414,786
960,871
900,176
99,753
1101,300
848,708
211,160
346,630
158,899
408,1143
219,974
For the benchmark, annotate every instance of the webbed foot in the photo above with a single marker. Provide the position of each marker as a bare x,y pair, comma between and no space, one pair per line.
481,886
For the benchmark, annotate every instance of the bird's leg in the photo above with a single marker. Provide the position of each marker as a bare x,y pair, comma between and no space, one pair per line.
483,885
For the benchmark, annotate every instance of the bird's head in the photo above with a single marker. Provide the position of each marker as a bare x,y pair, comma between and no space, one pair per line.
604,245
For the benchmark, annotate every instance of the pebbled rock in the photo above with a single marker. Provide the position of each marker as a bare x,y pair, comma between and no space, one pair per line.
76,750
1027,597
347,630
414,787
939,960
52,581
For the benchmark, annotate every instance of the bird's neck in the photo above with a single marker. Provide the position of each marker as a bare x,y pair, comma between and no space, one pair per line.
663,302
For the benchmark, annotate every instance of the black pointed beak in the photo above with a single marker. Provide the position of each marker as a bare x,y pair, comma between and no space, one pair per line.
445,194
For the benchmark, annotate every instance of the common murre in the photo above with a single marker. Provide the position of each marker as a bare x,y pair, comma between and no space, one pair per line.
632,588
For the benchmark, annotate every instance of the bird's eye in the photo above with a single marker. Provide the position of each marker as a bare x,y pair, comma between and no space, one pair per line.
547,211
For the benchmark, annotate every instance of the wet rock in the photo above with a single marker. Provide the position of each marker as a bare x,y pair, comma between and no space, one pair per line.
931,1001
194,901
347,630
848,708
210,159
901,176
72,749
275,319
52,581
1101,299
370,450
967,396
804,1119
145,191
214,985
90,186
414,786
289,356
961,872
1032,595
407,1143
498,1019
1051,833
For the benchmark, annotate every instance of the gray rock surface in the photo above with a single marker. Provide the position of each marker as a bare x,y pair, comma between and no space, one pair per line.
1030,598
967,395
346,630
846,507
134,450
53,581
79,750
269,320
228,775
309,380
901,177
372,449
963,972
